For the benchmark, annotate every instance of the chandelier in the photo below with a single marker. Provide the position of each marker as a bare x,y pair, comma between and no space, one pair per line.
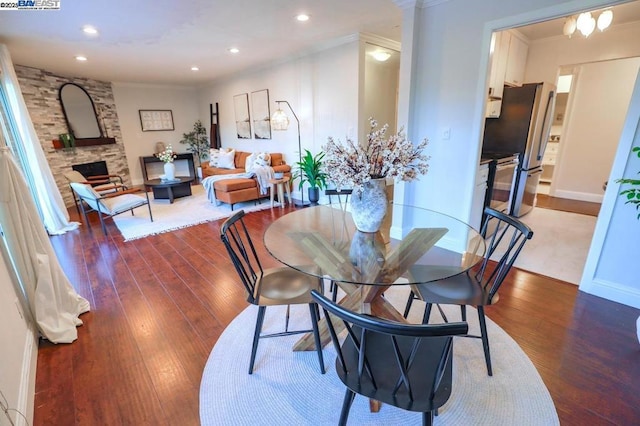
586,23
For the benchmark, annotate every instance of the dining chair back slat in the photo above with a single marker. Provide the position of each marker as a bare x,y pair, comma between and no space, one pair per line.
242,252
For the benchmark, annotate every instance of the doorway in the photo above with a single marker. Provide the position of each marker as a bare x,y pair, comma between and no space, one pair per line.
573,188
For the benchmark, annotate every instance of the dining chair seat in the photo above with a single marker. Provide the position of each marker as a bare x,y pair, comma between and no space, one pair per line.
284,285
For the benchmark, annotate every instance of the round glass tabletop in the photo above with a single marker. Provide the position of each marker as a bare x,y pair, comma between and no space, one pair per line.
413,246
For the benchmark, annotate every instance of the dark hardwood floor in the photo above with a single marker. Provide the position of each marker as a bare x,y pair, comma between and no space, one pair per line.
159,304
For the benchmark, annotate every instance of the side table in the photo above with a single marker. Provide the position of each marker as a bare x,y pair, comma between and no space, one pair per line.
280,184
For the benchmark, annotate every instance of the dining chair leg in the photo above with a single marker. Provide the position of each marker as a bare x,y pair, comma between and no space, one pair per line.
256,336
333,289
104,227
407,308
346,406
313,308
485,339
427,418
427,313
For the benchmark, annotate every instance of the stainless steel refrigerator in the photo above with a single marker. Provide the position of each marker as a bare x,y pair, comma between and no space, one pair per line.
523,127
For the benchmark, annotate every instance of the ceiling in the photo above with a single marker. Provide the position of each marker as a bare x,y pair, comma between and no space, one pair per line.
158,41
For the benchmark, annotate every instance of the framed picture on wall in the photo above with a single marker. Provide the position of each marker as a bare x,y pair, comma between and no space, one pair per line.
261,115
243,122
156,119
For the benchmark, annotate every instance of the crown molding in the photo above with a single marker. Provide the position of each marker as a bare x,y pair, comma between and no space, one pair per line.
380,41
407,4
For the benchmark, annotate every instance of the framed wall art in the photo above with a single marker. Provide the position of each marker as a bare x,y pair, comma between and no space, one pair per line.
156,119
243,122
261,115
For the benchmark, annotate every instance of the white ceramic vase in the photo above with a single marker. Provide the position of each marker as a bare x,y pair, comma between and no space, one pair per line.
369,208
169,171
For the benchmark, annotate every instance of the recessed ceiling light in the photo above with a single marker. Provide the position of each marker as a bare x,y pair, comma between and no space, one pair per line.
81,58
234,50
88,29
195,69
302,17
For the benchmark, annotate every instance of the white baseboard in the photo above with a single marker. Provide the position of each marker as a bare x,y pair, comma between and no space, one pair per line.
580,196
612,291
26,395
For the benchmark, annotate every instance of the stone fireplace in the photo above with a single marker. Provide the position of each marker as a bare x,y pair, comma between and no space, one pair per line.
40,92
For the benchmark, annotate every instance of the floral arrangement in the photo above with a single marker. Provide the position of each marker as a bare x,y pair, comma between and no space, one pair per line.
395,157
167,155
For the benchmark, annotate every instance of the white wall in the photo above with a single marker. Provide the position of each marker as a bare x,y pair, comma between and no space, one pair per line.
545,58
381,91
449,53
611,263
599,102
129,98
322,89
19,353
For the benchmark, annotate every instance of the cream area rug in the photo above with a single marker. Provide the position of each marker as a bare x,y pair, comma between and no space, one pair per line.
184,212
287,388
559,246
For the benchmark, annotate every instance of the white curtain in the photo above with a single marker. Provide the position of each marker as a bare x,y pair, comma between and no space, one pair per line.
49,201
54,304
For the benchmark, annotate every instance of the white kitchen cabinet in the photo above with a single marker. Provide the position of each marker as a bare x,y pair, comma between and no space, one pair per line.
508,61
477,204
499,56
517,61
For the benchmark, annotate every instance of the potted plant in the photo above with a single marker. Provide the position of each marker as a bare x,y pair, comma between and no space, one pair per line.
198,144
310,169
632,195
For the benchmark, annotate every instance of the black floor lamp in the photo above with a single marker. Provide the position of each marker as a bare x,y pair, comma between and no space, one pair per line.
280,121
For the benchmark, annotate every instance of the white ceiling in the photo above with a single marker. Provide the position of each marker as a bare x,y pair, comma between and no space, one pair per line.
158,41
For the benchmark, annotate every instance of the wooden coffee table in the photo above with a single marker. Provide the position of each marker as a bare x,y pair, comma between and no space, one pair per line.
170,190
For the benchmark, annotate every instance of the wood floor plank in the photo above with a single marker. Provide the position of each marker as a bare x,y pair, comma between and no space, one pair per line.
159,304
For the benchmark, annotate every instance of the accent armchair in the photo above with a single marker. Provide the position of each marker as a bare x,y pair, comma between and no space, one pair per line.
102,184
110,204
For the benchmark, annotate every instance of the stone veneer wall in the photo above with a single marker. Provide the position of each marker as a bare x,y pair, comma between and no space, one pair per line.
40,91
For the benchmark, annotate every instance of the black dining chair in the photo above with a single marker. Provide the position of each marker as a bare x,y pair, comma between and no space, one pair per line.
269,287
408,366
505,237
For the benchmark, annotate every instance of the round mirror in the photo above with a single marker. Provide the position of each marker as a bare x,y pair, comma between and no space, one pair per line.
79,112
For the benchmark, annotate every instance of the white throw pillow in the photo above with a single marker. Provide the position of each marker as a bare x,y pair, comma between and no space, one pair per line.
214,154
226,160
249,162
262,159
213,157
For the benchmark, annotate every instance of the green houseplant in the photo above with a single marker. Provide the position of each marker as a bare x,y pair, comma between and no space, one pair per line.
310,169
197,141
632,194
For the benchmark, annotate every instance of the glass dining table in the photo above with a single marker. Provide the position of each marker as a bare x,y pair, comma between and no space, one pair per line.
413,246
